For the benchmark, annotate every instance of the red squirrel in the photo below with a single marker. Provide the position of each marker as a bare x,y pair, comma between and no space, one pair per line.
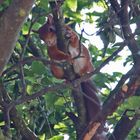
77,55
81,65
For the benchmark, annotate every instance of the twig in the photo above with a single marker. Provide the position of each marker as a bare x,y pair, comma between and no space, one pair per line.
23,83
73,117
42,92
128,110
77,81
123,16
11,79
80,48
66,101
88,97
122,45
7,108
87,76
63,85
59,25
45,116
29,60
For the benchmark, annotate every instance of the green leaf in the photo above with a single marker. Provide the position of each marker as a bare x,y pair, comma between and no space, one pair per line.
112,37
25,28
51,98
72,4
38,68
44,4
117,74
42,137
131,103
57,138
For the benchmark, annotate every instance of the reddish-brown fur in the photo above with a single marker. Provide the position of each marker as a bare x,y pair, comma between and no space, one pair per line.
81,65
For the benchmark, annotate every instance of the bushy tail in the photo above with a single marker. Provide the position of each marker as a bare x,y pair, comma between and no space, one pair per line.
92,102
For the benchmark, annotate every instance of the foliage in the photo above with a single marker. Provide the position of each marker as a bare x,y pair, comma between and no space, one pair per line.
47,115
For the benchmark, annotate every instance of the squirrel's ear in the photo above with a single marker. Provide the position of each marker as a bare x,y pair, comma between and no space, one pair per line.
50,19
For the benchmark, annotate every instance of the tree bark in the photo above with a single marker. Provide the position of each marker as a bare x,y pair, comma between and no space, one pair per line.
10,25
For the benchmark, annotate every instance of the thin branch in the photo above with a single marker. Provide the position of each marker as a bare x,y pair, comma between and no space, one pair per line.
15,117
114,54
60,33
23,83
29,60
42,109
91,99
42,92
73,117
87,76
70,85
80,46
116,6
44,60
11,79
105,62
59,25
81,110
7,109
59,86
123,16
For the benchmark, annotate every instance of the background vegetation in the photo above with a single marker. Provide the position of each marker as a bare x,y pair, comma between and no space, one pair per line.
34,104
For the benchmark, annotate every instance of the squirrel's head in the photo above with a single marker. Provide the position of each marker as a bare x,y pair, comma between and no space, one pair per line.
47,32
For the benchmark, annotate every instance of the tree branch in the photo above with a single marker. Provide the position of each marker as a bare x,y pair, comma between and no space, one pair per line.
60,33
28,60
59,25
69,72
10,24
16,118
124,126
123,16
115,98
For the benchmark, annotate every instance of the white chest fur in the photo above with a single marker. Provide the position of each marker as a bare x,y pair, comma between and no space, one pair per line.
79,62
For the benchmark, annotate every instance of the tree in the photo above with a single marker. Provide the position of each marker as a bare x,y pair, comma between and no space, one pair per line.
36,105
